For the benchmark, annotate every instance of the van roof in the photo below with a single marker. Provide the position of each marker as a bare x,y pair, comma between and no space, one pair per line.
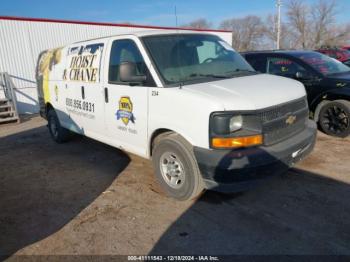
151,33
166,32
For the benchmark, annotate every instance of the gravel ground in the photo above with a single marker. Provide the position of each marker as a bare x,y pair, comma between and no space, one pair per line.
84,197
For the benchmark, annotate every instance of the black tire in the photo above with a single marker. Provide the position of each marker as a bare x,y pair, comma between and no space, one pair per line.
189,183
334,118
58,133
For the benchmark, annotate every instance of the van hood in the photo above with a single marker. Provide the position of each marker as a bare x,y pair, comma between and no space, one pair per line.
250,92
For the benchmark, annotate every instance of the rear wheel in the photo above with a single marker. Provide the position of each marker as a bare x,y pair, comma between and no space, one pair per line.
58,133
176,168
334,118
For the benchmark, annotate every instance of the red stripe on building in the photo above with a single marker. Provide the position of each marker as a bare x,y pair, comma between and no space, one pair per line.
48,20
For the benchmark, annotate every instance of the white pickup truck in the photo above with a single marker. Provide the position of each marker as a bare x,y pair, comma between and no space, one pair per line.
184,99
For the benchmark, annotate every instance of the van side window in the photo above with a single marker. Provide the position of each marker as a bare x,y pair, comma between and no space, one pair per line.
126,51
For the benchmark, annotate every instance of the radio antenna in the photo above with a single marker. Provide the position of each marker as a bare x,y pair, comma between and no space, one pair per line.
175,17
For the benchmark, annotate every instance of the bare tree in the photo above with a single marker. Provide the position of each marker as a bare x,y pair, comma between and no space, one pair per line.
270,33
315,25
323,18
298,20
200,23
337,35
305,26
247,32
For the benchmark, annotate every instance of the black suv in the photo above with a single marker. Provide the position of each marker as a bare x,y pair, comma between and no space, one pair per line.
326,80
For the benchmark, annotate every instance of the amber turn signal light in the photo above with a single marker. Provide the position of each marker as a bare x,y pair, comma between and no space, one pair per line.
235,142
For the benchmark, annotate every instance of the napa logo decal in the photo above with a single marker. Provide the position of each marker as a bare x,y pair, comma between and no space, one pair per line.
125,110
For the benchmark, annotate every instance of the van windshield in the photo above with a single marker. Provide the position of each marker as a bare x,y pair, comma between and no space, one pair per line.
194,58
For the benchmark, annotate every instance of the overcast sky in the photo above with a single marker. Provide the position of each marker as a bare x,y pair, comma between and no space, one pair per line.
157,12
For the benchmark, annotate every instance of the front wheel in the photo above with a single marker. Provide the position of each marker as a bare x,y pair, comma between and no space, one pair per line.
176,168
334,118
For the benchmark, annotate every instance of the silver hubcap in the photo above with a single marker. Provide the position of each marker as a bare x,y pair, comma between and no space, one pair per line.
172,170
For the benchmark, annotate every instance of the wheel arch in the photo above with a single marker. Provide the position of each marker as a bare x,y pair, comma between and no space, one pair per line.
48,107
323,99
161,131
318,109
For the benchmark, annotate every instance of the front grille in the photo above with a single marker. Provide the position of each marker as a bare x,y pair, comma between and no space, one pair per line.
274,121
282,110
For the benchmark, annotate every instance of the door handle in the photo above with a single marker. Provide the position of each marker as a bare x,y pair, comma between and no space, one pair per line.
106,94
82,92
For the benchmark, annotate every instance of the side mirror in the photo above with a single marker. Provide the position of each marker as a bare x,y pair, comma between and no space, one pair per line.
302,76
127,73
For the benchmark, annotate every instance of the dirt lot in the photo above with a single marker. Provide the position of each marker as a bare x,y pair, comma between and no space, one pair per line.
85,197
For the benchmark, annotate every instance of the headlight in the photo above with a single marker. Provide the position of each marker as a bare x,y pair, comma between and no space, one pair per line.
226,124
234,130
236,123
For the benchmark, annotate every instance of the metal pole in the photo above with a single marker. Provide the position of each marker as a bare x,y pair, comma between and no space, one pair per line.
279,4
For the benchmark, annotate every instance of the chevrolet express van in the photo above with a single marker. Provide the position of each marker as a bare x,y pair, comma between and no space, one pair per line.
186,100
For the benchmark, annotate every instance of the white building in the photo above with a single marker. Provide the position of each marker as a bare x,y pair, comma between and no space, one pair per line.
22,39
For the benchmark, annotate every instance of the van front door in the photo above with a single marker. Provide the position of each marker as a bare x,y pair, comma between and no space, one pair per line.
126,104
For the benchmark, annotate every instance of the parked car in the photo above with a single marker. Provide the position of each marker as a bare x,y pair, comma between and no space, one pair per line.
341,55
347,47
326,80
185,100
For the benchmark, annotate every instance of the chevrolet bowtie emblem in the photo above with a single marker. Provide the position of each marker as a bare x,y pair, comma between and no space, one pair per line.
291,120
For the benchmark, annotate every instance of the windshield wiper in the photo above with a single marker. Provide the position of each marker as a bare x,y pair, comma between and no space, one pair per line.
196,76
227,75
208,75
243,71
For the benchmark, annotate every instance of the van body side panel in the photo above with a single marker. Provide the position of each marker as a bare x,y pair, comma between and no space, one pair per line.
84,100
183,112
46,71
50,82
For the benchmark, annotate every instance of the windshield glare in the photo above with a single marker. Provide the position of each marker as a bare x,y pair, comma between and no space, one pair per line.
324,64
186,57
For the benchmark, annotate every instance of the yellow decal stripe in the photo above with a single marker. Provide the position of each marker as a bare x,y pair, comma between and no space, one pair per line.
46,86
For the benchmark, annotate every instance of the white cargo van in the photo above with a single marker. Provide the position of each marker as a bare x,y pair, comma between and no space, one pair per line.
184,99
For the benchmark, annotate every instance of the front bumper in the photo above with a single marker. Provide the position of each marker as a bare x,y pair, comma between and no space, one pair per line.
234,170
